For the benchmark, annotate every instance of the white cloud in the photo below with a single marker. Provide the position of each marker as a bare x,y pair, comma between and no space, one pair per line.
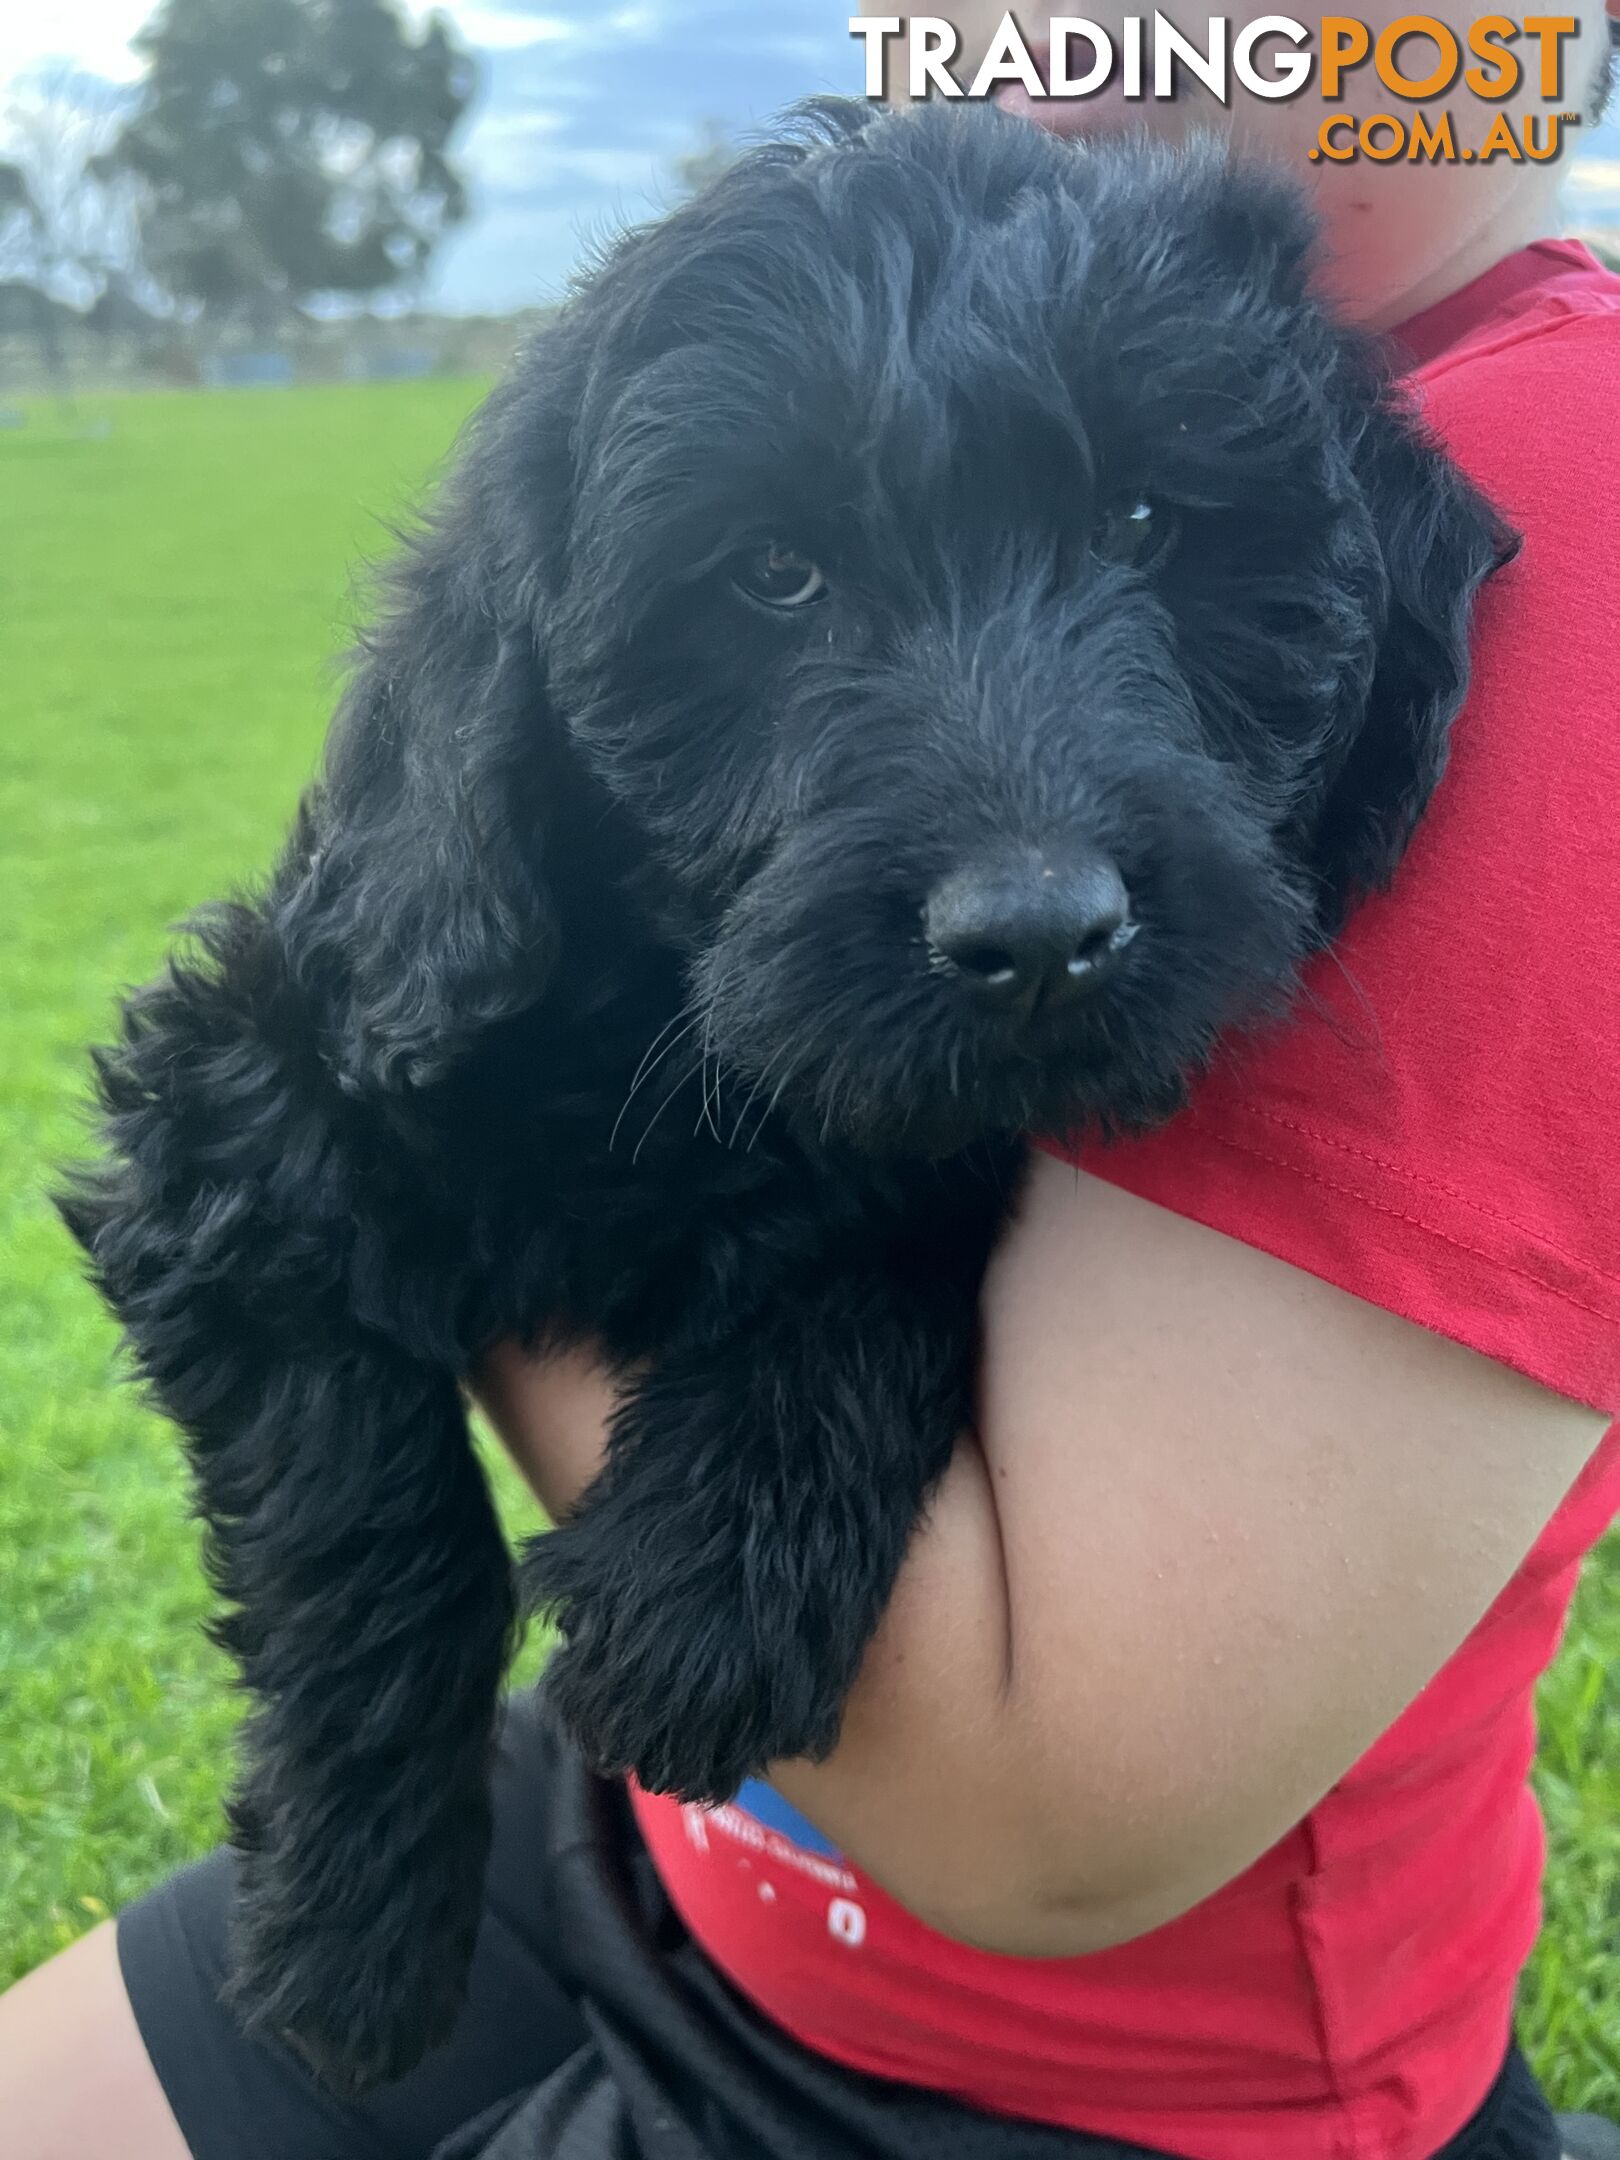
1593,176
89,34
497,30
95,34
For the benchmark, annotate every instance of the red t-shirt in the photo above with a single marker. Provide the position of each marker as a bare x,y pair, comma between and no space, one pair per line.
1443,1140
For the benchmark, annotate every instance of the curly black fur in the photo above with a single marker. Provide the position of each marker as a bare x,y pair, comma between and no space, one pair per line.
591,997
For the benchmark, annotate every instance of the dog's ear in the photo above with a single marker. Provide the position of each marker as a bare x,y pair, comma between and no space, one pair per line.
1427,540
1436,540
413,905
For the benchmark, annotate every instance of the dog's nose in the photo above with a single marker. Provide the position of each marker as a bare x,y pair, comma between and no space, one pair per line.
1025,935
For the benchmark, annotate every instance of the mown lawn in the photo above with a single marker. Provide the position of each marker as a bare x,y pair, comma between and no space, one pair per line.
174,577
176,574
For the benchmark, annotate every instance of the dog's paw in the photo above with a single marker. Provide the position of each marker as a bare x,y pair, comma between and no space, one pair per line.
678,1676
360,2004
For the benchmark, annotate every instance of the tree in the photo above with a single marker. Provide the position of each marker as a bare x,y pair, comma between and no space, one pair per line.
66,229
288,148
23,304
710,156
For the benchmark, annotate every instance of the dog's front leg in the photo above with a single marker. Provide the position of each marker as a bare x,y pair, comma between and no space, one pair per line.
717,1588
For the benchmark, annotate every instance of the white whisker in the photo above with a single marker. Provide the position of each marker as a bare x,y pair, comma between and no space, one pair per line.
648,1066
657,1114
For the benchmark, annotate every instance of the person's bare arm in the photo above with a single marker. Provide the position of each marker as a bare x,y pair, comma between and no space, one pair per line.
1221,1523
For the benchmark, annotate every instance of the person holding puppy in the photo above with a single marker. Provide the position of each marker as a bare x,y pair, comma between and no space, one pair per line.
1181,1806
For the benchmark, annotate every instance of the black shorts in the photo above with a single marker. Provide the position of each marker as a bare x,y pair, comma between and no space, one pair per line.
595,2028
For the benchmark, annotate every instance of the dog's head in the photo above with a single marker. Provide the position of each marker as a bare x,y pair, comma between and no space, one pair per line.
1016,621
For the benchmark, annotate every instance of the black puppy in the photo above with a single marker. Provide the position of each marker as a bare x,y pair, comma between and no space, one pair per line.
933,634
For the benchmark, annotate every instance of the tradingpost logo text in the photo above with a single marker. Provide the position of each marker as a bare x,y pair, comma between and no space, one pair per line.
1412,61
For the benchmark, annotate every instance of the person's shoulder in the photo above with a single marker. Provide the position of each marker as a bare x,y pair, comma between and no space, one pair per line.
1433,1130
1528,412
1544,289
1527,406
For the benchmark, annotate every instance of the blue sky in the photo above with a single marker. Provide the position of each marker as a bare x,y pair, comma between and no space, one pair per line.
577,129
583,106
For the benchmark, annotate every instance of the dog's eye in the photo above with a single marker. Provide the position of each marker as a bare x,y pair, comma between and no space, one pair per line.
778,578
1137,531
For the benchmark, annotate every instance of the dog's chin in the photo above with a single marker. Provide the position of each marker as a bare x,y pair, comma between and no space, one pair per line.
932,1119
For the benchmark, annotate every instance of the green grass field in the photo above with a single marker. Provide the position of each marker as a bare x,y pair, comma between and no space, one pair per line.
174,576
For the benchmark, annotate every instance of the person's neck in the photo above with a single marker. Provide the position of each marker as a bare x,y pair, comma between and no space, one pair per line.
1498,237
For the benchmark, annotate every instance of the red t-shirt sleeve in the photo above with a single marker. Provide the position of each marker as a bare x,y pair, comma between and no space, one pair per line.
1437,1127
